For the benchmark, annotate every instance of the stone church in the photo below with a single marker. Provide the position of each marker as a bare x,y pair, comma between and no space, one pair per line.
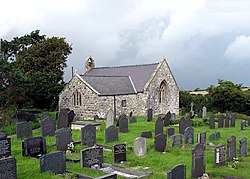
124,89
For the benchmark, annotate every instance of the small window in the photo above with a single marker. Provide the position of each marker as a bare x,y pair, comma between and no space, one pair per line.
124,103
77,99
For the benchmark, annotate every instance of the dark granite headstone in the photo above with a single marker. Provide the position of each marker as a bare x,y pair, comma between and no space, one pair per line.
178,172
183,124
158,126
119,153
170,132
232,120
53,162
48,126
24,129
201,138
3,135
248,122
200,114
91,156
123,124
243,125
198,161
146,134
160,142
220,155
71,117
111,134
243,147
183,111
88,135
189,135
167,119
212,122
177,140
34,147
132,120
63,138
231,148
227,122
8,168
46,114
63,118
149,114
221,121
5,147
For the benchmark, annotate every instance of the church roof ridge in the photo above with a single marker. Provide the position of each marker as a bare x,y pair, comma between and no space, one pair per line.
123,66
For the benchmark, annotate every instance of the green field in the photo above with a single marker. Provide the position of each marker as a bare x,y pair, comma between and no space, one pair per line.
158,163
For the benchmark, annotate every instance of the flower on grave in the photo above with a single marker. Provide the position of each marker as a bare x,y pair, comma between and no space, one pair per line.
71,146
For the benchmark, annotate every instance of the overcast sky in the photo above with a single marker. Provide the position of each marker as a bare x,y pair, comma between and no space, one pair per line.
203,41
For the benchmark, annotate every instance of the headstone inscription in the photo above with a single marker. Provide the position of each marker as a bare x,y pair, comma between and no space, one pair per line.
63,138
204,111
158,126
63,118
140,147
170,132
212,121
146,134
243,125
111,134
34,147
123,124
5,147
167,119
24,129
48,126
91,156
132,120
189,135
177,172
198,161
221,121
149,114
220,155
243,147
53,162
183,124
160,142
201,138
8,168
232,120
231,148
88,135
119,153
109,118
177,140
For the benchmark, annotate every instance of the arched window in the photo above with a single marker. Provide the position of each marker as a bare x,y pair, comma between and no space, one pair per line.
77,98
163,92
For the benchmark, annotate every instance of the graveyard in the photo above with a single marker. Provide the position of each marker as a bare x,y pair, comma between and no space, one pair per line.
198,145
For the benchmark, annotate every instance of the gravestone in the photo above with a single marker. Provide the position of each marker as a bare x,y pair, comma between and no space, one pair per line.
34,147
231,148
170,132
212,137
132,120
177,140
46,114
232,120
24,129
123,124
158,126
140,147
160,142
71,117
200,114
183,111
178,172
220,155
63,118
5,147
119,153
248,122
111,134
109,118
227,122
212,122
198,161
149,114
3,135
217,135
48,126
167,119
201,138
189,135
243,147
53,162
243,125
204,111
188,118
221,121
183,124
91,156
8,168
88,135
63,138
146,134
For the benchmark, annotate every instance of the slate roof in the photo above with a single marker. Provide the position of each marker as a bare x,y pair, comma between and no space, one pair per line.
140,74
110,85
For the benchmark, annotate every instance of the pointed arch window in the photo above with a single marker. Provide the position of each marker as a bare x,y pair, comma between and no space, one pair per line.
163,92
77,98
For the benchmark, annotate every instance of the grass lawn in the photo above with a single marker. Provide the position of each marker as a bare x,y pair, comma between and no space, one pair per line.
158,163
